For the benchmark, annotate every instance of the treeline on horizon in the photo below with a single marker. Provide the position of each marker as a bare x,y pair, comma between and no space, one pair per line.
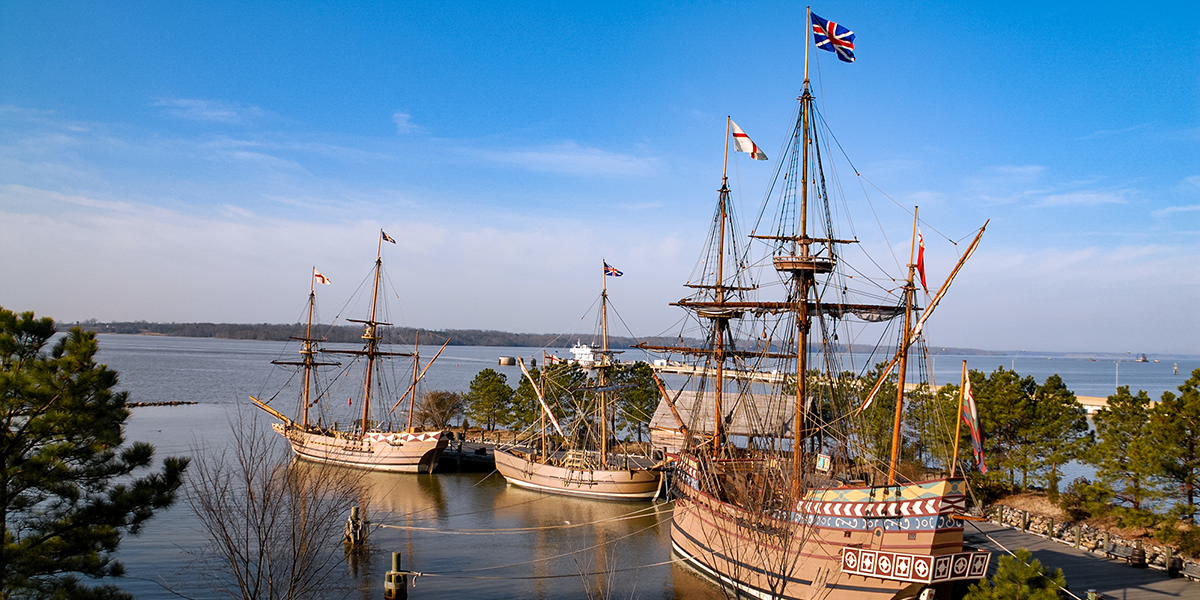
276,332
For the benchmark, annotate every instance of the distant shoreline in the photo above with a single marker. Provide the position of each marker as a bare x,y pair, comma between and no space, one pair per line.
278,332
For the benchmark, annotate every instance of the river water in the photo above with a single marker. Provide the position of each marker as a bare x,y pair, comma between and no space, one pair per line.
606,558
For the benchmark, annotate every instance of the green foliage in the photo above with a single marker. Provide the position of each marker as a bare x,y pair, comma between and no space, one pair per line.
1175,428
1125,455
526,410
637,402
1059,429
63,453
1083,499
1019,577
489,400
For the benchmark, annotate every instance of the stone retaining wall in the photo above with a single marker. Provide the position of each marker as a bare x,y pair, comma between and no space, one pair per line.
1086,537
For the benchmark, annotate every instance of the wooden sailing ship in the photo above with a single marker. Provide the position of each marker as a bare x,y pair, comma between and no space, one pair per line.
372,441
781,487
582,471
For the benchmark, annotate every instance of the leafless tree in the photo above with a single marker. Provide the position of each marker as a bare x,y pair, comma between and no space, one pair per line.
274,524
437,408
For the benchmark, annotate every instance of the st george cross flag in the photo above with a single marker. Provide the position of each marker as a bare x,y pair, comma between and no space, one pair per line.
971,417
834,38
611,271
921,259
743,143
386,237
319,277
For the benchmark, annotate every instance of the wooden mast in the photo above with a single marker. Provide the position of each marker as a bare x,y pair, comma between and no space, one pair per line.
370,334
720,319
803,280
306,350
416,365
910,290
602,365
962,399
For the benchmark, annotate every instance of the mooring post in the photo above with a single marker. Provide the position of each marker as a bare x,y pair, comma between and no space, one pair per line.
1024,521
1050,529
1078,535
395,583
354,531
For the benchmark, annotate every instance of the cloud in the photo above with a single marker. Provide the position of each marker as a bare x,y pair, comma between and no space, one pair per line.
217,111
1084,198
404,123
1170,210
1111,132
570,158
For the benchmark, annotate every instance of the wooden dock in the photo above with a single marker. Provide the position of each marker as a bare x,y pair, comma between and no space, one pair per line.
1084,571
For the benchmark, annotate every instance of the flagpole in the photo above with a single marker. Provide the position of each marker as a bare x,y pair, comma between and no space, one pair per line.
807,35
725,166
962,399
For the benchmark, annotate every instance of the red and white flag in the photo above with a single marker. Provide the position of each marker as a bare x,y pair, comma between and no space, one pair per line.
321,279
921,259
743,143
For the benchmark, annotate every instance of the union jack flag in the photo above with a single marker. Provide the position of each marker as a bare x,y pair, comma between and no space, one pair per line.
611,271
834,38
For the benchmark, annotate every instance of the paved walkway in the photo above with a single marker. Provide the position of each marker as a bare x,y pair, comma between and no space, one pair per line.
1085,570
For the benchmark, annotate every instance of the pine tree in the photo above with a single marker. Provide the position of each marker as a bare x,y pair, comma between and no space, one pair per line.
489,399
1059,429
1019,577
638,401
1175,427
1125,455
63,453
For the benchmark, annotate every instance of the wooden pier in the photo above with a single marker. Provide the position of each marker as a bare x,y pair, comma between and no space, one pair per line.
1084,570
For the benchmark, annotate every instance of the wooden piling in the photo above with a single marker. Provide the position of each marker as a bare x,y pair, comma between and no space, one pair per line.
395,582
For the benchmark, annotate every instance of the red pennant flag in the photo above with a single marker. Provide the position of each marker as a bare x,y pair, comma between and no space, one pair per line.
921,259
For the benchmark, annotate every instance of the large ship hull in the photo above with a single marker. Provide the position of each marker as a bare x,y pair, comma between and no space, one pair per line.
858,543
625,484
395,452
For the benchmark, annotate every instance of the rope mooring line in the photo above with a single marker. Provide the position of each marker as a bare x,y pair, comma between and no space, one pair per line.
637,514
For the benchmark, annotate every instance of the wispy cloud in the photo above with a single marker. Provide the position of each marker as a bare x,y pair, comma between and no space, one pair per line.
1170,210
1084,198
572,159
218,111
1103,133
404,123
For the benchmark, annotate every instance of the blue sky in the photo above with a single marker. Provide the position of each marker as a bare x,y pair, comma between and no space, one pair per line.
191,161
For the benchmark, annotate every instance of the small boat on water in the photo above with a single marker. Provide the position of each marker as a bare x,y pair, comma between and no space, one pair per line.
786,487
586,467
374,440
1143,358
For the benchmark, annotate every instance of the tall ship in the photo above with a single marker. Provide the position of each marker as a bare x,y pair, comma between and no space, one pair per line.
585,465
371,436
797,471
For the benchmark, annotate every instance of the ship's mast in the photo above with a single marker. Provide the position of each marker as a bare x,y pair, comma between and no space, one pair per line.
602,367
412,403
371,336
307,350
910,291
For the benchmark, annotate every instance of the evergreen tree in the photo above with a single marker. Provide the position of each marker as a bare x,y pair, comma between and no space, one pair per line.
489,399
63,453
1125,455
1007,411
526,410
1175,426
1019,577
637,402
1059,429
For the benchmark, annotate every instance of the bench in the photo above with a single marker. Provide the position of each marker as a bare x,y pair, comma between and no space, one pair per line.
1191,571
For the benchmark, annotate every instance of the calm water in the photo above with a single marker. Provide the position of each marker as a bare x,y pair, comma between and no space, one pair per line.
220,374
